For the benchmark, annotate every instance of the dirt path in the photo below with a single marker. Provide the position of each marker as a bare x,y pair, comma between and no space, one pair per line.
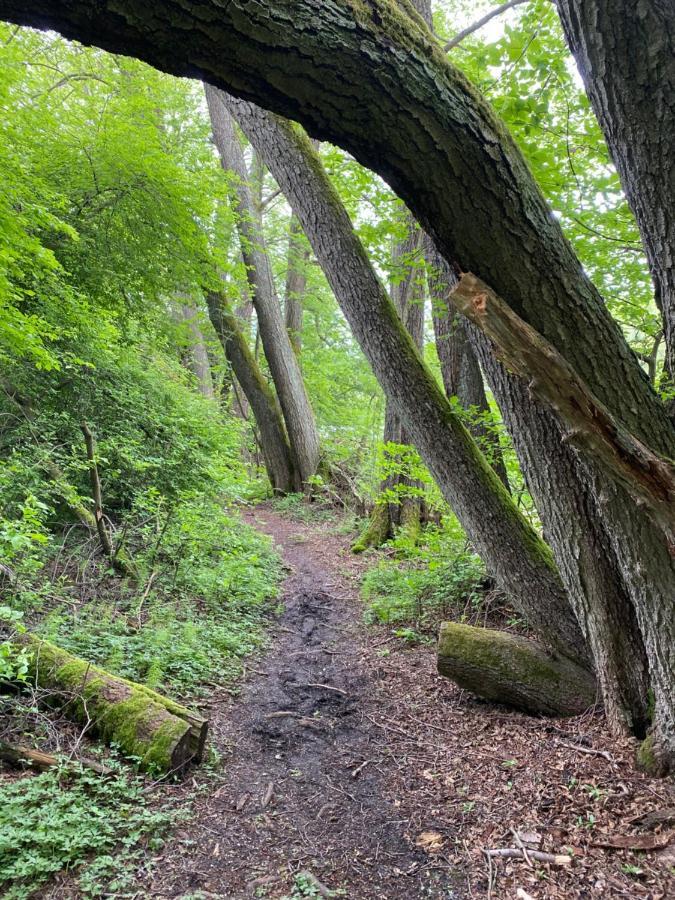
306,782
347,757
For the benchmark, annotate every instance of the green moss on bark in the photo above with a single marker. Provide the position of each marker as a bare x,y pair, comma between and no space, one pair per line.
510,669
376,531
160,733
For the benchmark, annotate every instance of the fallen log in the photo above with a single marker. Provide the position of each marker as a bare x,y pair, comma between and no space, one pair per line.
163,735
515,671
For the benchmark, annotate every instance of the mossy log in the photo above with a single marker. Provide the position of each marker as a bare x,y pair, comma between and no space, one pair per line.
515,671
161,733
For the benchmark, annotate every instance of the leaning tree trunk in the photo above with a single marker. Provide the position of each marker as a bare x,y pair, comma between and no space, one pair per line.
461,374
625,51
283,363
275,447
576,532
511,548
420,124
164,735
595,550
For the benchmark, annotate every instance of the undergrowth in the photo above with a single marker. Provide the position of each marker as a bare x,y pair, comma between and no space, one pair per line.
200,608
59,820
424,580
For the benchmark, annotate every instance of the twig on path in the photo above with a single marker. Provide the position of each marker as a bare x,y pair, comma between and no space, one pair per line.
522,847
589,750
325,687
358,769
556,859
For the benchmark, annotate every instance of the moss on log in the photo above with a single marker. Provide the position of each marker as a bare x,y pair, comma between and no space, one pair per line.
515,671
164,735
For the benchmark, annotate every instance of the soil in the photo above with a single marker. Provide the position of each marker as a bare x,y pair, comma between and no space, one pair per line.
351,764
308,784
350,767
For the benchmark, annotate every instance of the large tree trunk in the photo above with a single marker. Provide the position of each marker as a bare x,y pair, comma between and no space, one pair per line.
513,670
283,363
418,122
577,534
424,128
275,446
572,523
625,51
162,734
462,377
511,548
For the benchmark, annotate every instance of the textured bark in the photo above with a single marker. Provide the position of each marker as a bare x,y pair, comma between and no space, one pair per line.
462,377
274,441
296,283
573,526
508,544
649,477
164,735
418,122
283,363
625,51
509,669
198,357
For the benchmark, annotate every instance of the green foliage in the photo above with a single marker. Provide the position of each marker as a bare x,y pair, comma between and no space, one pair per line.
60,820
14,660
426,581
205,607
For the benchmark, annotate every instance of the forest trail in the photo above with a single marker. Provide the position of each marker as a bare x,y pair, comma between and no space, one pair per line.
309,784
346,756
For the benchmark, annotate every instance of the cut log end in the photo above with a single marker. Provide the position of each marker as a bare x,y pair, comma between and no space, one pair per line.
512,670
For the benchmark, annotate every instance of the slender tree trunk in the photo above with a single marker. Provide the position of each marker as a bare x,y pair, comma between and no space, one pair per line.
462,377
198,357
296,283
275,447
625,51
283,363
513,551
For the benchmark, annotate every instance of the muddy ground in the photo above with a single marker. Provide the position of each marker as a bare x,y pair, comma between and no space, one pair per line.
350,766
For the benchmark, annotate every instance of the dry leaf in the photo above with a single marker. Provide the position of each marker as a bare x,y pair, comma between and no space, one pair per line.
430,841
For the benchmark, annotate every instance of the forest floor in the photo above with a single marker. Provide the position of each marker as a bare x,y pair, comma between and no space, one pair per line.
350,769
